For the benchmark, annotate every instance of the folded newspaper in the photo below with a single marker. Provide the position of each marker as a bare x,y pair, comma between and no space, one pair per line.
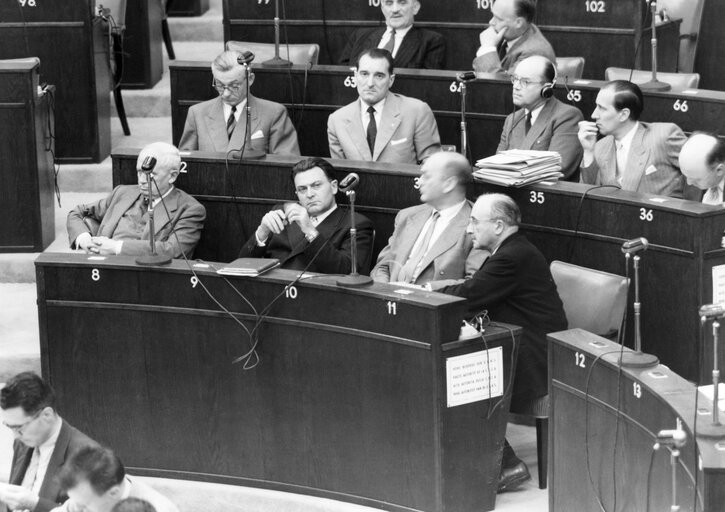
250,267
518,167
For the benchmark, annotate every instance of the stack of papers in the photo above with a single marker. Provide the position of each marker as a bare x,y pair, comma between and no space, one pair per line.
519,167
249,267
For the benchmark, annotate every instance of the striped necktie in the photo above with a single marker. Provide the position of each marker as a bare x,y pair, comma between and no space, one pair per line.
231,122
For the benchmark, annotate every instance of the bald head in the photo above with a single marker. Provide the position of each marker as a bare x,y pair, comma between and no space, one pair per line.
443,179
702,160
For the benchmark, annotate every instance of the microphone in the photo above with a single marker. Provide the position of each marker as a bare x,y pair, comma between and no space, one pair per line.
712,311
148,164
466,76
245,58
676,438
635,245
349,182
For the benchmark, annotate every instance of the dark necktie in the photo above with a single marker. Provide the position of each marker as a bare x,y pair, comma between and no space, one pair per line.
231,122
502,49
372,130
527,123
390,45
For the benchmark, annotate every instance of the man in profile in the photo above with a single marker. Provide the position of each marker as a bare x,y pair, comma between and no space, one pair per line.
220,124
410,46
430,243
313,234
702,162
542,121
118,224
511,36
43,443
96,481
632,155
514,286
381,126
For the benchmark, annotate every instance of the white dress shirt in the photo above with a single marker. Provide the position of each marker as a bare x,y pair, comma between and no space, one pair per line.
399,35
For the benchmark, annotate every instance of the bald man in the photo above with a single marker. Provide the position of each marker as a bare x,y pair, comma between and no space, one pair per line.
542,122
430,243
122,217
702,162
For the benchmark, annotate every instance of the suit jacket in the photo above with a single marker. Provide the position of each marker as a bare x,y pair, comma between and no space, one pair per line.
69,441
450,259
555,129
420,48
137,488
515,286
272,130
652,163
407,132
531,42
185,218
294,252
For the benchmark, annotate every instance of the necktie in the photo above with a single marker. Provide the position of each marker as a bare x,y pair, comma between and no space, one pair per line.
412,268
621,159
231,122
527,123
390,45
372,130
712,196
502,49
32,471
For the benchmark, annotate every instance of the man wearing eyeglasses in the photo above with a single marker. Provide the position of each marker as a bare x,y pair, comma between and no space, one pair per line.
220,124
312,234
381,126
542,121
43,442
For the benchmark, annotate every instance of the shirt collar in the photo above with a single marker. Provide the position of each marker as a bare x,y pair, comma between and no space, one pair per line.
158,199
227,108
446,214
536,111
50,442
378,106
626,141
323,216
399,32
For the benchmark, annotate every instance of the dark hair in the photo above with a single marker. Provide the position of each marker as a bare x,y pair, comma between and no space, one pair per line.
525,9
549,71
504,208
310,163
131,504
377,53
29,391
627,95
94,464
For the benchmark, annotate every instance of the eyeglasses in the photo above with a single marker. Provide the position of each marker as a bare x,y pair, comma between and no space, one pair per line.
523,82
233,88
18,429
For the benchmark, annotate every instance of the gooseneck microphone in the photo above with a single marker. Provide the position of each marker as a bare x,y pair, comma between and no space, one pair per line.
245,58
466,76
349,182
712,311
148,164
635,245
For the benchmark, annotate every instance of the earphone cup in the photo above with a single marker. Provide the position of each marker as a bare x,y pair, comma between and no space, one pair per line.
547,91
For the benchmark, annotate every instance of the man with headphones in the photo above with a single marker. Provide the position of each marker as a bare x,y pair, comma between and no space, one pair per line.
542,122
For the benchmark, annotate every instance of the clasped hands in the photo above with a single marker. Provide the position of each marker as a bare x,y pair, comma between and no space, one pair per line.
98,244
17,498
275,221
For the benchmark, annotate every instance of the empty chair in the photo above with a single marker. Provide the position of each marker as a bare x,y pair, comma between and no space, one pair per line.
570,68
594,301
306,54
678,81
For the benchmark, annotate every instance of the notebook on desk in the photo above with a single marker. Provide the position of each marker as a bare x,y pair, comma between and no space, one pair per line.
250,267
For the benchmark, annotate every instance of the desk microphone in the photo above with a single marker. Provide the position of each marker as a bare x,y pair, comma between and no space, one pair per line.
712,311
349,182
148,164
676,438
635,245
245,58
466,76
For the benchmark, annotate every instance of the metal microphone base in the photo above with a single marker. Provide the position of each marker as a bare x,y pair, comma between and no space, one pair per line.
638,360
655,85
152,260
277,62
249,154
354,280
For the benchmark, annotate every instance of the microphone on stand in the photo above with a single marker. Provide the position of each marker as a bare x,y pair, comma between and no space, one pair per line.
466,76
147,167
245,58
349,182
711,311
463,77
676,438
635,245
348,185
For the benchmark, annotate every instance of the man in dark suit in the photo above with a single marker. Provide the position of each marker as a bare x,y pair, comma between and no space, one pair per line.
542,121
411,47
632,155
122,217
221,124
430,243
381,126
510,37
314,234
515,286
43,443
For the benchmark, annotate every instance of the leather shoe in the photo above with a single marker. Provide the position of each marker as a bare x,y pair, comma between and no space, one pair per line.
510,478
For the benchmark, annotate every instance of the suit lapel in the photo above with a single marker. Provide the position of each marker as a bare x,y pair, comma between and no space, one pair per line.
389,122
449,237
50,486
539,125
410,44
113,216
161,218
216,125
239,134
636,161
608,162
23,455
355,132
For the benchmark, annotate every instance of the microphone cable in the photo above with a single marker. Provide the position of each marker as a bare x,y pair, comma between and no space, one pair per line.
573,239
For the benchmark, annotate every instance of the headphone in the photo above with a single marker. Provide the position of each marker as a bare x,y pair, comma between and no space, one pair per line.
547,91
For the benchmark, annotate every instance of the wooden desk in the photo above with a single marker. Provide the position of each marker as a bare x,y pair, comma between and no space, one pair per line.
27,216
186,7
73,52
312,95
607,33
676,271
348,399
596,411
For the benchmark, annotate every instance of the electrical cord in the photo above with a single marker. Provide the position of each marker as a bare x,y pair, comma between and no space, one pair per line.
573,239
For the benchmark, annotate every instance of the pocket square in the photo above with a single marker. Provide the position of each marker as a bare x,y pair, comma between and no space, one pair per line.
649,170
259,134
399,141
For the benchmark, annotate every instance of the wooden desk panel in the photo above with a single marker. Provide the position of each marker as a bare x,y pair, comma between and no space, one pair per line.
143,62
346,402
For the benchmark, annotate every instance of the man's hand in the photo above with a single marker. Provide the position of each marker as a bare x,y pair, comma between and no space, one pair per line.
490,38
85,242
297,213
587,134
273,222
17,497
106,246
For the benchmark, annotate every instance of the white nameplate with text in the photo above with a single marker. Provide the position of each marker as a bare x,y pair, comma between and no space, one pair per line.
474,377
